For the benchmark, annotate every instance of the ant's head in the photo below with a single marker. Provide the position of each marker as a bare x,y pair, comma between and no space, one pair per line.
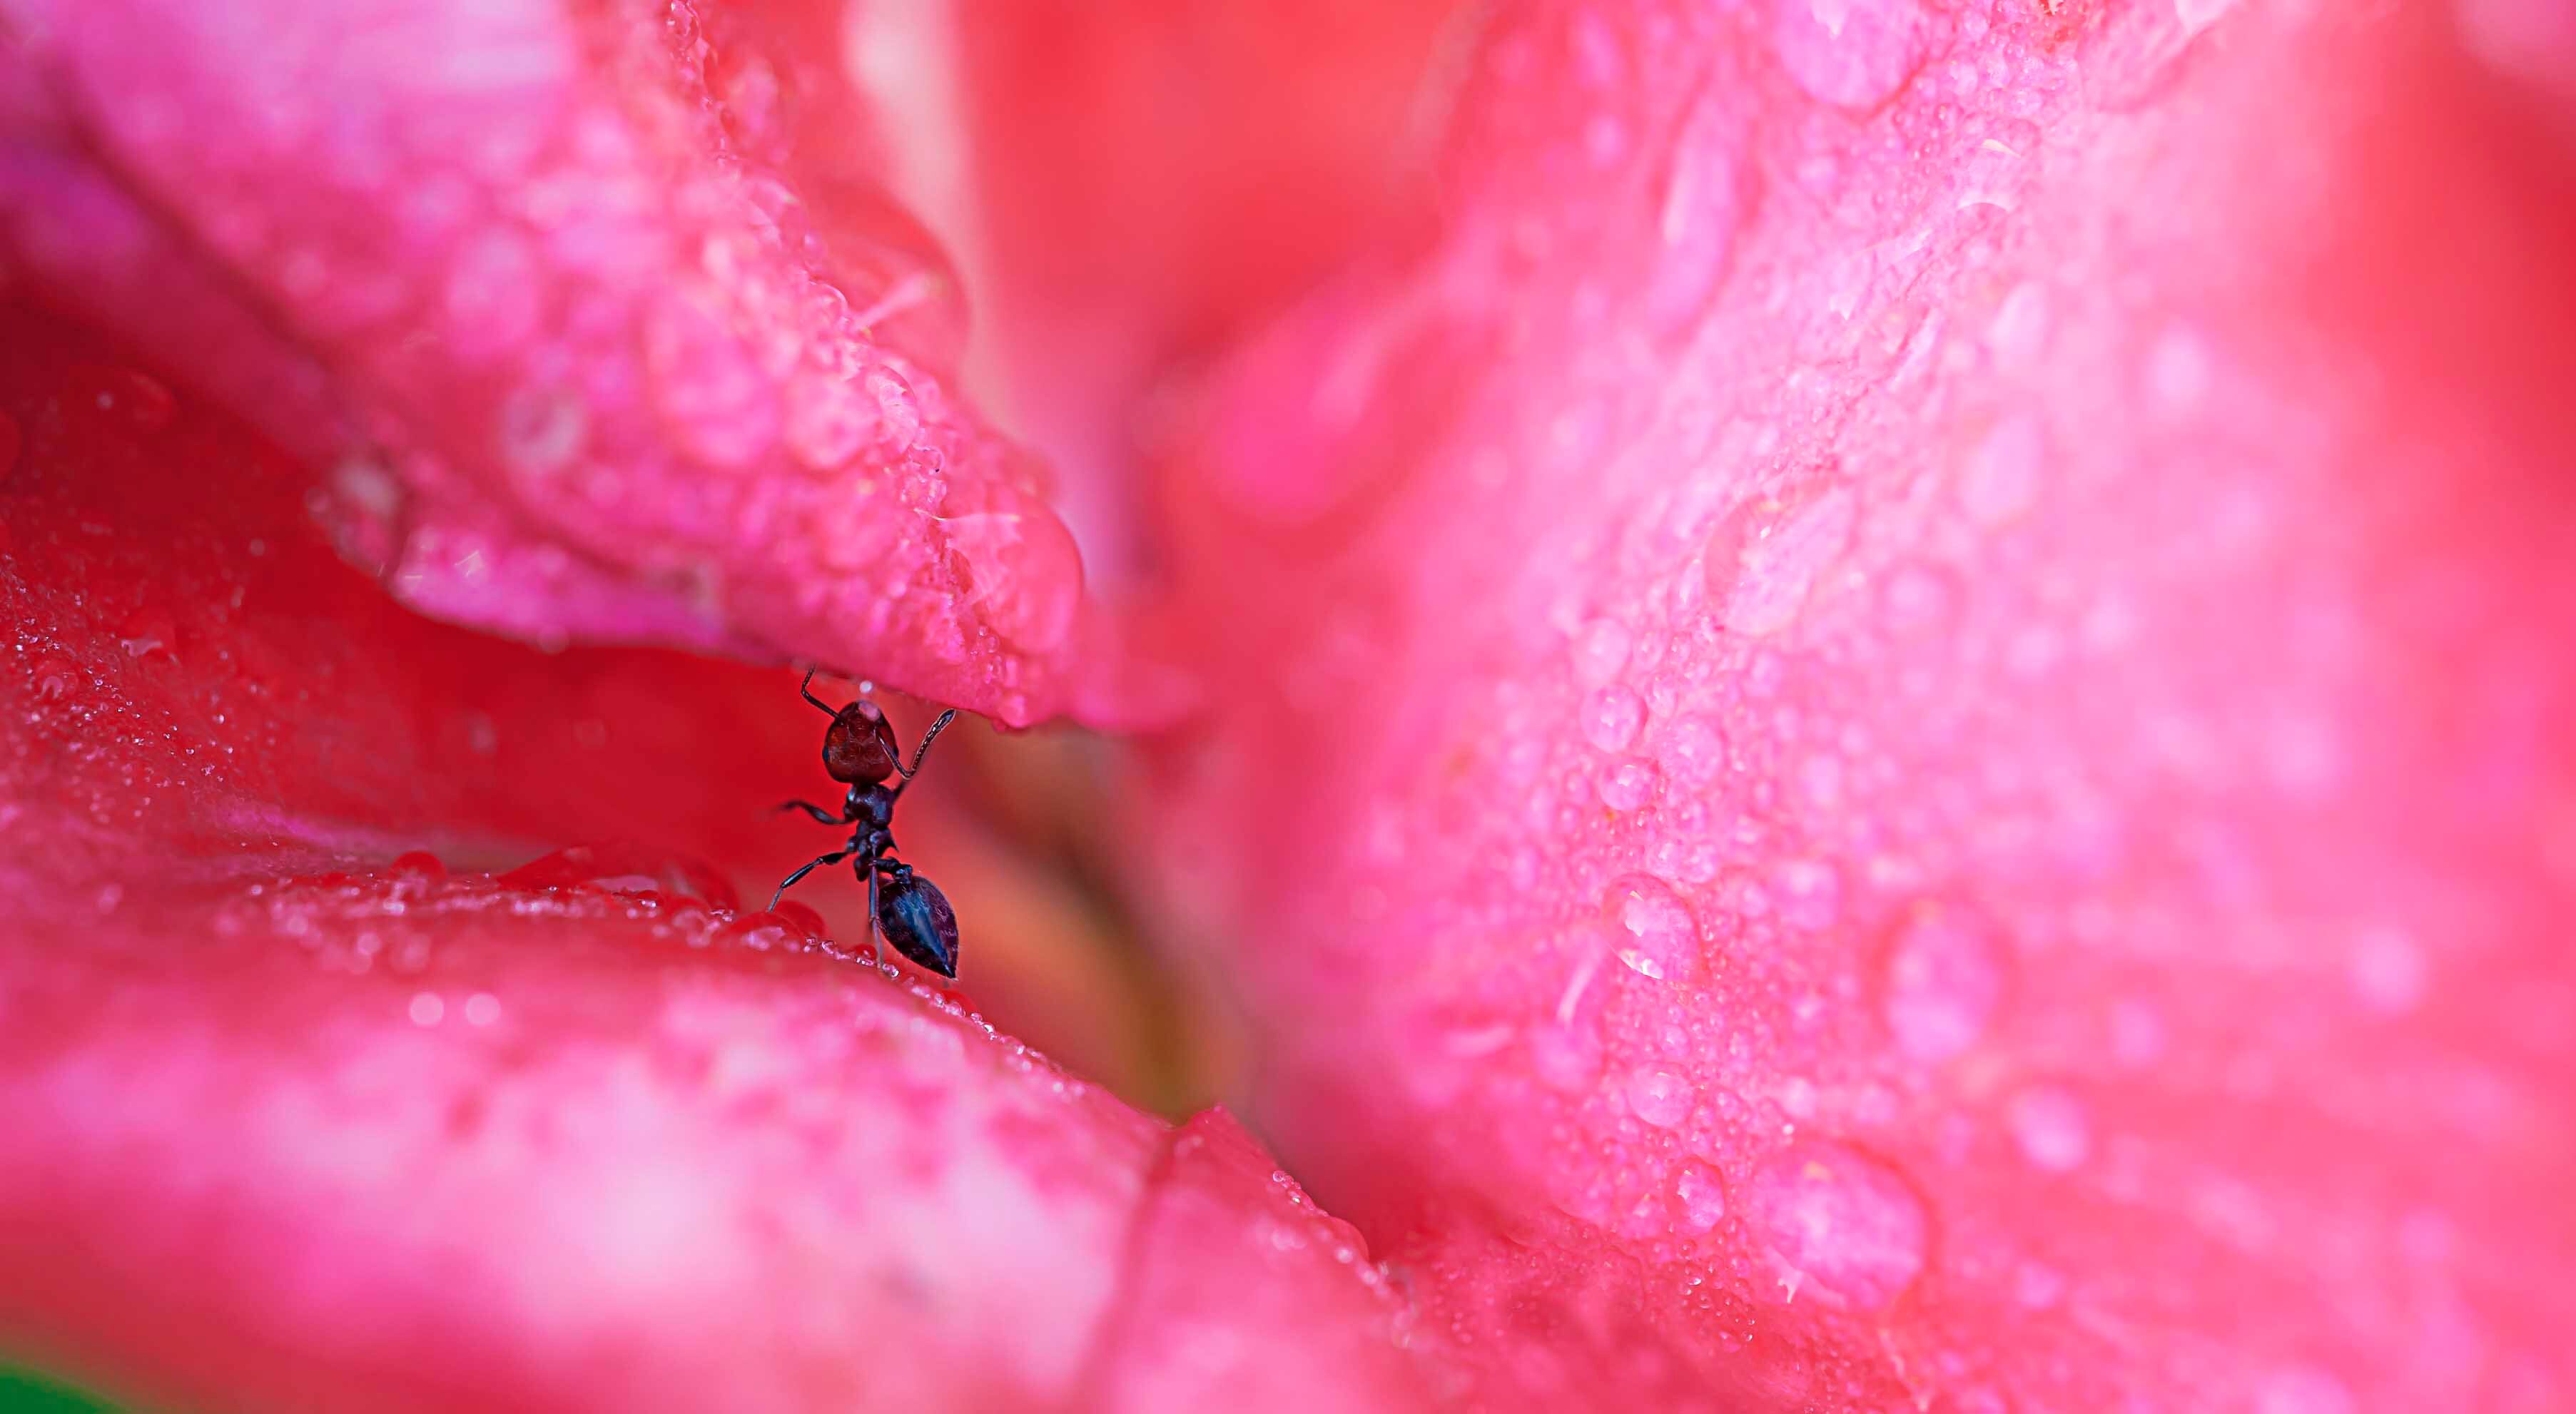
858,748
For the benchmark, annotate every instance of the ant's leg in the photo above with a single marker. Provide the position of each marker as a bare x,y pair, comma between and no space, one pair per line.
876,947
833,858
924,749
816,811
807,688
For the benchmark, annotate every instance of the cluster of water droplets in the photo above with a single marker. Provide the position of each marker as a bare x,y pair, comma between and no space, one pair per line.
1852,54
612,310
1751,863
1743,1115
390,918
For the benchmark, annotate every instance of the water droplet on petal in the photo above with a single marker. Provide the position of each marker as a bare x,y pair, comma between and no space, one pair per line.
898,407
2135,56
1590,1202
1820,781
419,865
760,932
1660,1097
1629,784
1566,1058
2180,372
336,290
709,389
800,917
1840,1219
1768,554
1693,752
148,635
2038,1287
1645,1218
1993,175
1018,566
120,397
494,294
621,869
1851,53
1944,980
1918,600
1701,1198
748,91
2019,332
2000,479
58,677
828,420
1611,717
542,429
366,509
1655,933
2198,15
1600,651
1808,892
1703,207
2052,1129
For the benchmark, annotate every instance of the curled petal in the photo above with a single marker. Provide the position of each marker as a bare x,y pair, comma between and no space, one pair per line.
591,309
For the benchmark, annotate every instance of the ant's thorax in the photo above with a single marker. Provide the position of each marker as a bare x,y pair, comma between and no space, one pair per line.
870,807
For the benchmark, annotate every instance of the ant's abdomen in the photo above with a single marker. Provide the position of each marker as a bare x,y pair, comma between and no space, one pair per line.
916,918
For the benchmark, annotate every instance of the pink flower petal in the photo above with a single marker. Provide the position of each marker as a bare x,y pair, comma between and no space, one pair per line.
2075,493
601,344
416,1143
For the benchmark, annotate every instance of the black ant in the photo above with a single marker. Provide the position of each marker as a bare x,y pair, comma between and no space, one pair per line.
906,909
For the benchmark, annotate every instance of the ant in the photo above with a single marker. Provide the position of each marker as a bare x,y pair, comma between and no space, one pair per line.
859,750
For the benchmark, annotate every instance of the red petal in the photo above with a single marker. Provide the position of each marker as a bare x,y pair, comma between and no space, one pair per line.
580,1136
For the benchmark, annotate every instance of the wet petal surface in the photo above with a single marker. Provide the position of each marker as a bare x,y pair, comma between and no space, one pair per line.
598,317
1906,708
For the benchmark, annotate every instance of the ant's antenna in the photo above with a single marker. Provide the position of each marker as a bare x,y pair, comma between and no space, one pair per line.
807,688
926,739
